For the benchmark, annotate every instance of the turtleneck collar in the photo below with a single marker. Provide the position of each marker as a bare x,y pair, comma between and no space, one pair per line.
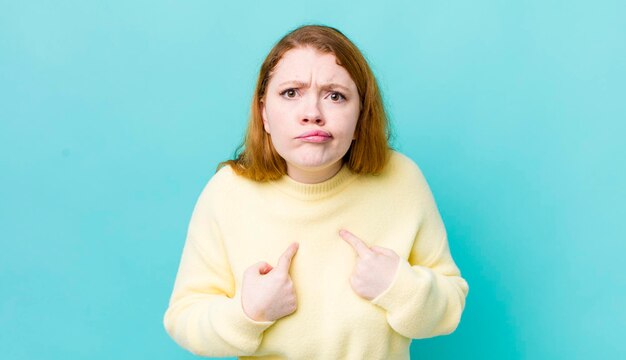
316,191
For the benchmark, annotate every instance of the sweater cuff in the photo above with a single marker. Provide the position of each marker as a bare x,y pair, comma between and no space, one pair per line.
237,328
402,287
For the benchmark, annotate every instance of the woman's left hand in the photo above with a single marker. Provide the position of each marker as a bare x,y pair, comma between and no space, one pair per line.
375,267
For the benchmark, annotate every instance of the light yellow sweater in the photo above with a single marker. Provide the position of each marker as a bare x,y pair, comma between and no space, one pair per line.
237,222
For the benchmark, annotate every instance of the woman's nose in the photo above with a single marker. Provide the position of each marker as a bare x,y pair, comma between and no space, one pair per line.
313,120
312,113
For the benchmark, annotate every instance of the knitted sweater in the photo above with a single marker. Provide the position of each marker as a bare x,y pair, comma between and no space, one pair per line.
238,222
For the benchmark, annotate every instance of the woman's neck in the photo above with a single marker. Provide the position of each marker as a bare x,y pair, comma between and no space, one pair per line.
315,176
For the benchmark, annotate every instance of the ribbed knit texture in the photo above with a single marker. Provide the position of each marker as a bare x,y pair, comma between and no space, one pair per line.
238,222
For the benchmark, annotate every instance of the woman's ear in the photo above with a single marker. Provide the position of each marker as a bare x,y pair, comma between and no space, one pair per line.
266,124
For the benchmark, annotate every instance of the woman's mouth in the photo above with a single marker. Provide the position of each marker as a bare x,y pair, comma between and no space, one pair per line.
316,136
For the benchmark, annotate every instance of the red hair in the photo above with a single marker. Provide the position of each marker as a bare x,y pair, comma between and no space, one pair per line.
257,159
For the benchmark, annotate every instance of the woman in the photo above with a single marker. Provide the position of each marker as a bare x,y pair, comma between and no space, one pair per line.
363,263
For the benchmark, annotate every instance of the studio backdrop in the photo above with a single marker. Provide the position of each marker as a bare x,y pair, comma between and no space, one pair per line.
114,115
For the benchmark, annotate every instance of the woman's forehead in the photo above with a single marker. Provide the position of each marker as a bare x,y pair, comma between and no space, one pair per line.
306,64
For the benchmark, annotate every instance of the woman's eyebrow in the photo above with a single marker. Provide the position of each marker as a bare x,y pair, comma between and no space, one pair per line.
324,86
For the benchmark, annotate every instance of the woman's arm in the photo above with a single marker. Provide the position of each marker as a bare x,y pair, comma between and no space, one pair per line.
205,315
427,295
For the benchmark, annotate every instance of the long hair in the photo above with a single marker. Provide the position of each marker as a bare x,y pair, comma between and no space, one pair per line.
257,159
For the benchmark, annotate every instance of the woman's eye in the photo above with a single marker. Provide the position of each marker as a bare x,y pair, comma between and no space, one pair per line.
291,93
337,96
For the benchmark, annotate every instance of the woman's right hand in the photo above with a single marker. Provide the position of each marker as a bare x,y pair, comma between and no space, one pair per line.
267,293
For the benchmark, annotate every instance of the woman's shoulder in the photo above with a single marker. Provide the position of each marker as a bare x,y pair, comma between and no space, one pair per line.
401,166
402,174
224,173
220,184
226,178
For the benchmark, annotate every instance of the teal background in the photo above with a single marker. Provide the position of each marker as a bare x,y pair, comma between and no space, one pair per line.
113,115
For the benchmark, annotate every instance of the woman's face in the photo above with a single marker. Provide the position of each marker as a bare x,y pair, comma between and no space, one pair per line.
310,110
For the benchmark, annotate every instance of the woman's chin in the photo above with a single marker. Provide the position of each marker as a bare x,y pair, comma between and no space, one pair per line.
314,165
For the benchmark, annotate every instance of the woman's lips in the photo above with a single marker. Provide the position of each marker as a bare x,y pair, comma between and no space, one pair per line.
315,139
316,136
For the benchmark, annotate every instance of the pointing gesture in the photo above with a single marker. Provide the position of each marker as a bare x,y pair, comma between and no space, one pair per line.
359,246
375,267
284,262
267,292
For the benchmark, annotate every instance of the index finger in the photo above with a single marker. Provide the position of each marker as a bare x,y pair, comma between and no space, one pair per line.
357,244
284,262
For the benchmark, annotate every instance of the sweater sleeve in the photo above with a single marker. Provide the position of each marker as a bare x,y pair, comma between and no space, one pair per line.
427,295
205,315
